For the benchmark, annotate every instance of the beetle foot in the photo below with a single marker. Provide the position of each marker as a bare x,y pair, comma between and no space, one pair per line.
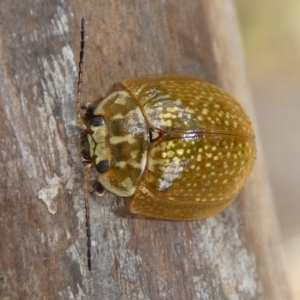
98,188
89,110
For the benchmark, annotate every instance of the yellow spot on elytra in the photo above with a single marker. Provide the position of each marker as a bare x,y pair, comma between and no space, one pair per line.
205,111
170,153
179,151
168,123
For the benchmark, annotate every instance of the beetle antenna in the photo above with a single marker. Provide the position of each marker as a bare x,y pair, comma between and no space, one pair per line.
87,169
87,166
80,73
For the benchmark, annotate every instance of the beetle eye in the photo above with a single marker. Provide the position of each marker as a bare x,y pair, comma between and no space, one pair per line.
98,121
103,166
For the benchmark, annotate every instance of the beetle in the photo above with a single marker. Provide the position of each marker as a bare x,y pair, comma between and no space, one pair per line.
177,147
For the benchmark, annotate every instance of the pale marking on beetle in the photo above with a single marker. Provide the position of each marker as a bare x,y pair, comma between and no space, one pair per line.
131,117
179,151
100,152
129,138
125,164
134,153
130,190
127,183
117,117
171,172
121,99
161,97
137,91
99,133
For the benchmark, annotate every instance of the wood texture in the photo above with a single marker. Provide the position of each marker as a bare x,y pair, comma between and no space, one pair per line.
234,255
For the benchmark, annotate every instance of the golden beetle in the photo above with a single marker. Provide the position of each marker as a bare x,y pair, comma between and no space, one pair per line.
178,147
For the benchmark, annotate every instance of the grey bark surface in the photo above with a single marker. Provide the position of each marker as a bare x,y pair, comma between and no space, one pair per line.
233,255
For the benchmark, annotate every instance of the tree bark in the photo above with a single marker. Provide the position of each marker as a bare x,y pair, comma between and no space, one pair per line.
233,255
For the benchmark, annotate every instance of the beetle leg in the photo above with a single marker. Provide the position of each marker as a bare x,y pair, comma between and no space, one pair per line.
98,188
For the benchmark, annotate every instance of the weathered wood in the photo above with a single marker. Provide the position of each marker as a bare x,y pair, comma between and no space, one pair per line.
234,255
